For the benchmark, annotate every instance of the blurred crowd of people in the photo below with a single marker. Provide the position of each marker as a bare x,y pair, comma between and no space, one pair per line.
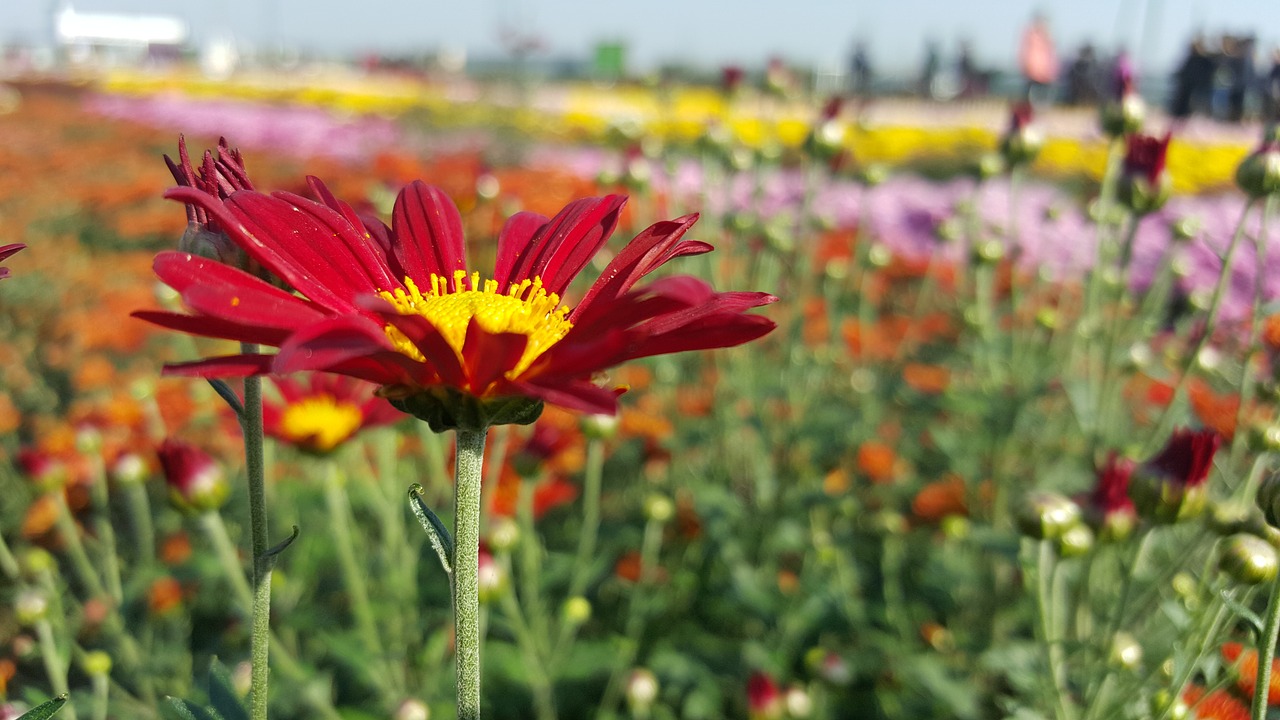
1222,78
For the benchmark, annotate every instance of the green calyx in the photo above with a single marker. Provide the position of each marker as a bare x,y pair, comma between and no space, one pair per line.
445,408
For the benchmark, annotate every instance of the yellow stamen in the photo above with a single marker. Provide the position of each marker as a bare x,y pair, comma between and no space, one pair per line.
320,422
526,308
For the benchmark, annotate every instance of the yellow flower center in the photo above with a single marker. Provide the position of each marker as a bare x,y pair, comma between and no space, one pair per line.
525,308
320,422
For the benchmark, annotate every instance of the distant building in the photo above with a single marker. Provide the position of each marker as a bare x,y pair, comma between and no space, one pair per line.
117,37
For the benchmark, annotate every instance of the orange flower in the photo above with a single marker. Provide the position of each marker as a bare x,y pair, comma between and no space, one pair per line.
926,379
1271,331
1245,662
877,461
1214,410
175,549
164,596
836,482
941,499
1217,705
40,516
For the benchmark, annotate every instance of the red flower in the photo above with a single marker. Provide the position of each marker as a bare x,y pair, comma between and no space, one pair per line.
1187,457
398,305
1109,505
196,481
321,414
1245,668
764,700
1020,118
5,252
1145,157
1216,705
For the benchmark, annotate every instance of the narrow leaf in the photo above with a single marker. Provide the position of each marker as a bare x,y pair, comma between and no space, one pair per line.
441,540
45,710
222,694
229,396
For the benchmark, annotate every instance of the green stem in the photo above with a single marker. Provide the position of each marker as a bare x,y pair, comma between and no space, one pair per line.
1215,305
140,523
225,550
1049,631
255,469
8,563
340,517
650,546
466,565
54,666
530,548
101,695
75,548
591,487
1267,653
106,534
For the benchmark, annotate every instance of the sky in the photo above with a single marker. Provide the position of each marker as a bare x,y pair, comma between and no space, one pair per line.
710,33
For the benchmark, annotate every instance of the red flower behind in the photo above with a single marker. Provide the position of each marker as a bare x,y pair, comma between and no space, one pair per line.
399,307
319,415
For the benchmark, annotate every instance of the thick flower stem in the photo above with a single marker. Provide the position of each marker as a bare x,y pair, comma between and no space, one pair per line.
260,633
1267,653
466,567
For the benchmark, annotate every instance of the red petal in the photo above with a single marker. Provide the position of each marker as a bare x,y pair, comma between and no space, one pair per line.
574,395
329,342
640,257
362,258
513,243
225,366
212,327
562,247
441,359
428,233
489,355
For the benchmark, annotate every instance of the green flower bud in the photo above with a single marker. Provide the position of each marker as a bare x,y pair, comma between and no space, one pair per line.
1123,116
576,610
1259,173
96,662
1269,499
989,251
599,427
1076,541
1045,515
504,534
873,174
659,508
412,709
1248,559
642,691
989,165
1126,652
30,607
1187,228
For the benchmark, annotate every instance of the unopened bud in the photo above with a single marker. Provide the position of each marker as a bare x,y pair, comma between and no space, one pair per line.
659,508
504,534
576,610
1126,651
799,704
599,427
412,709
642,690
1076,541
96,662
30,607
1045,515
1248,559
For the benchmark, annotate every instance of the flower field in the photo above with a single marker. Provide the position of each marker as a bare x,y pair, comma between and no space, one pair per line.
921,415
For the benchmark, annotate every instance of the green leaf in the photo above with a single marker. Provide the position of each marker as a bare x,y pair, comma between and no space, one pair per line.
441,540
45,710
222,693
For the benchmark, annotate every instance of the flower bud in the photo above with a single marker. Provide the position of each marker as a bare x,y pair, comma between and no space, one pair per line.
576,610
989,165
1187,228
798,702
659,508
642,691
1123,116
46,471
1269,499
1259,173
487,188
873,174
504,534
764,700
879,255
1022,142
201,241
491,578
829,666
1144,184
96,662
196,481
1248,559
1126,651
129,469
599,427
1076,541
988,251
1046,515
37,561
1171,487
30,606
412,709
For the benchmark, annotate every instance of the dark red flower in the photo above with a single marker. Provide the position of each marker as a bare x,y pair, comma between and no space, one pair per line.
1145,157
1187,457
1021,116
731,78
5,252
764,700
196,481
1109,505
325,411
399,307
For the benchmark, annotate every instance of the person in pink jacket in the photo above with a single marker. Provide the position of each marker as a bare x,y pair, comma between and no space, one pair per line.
1037,59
